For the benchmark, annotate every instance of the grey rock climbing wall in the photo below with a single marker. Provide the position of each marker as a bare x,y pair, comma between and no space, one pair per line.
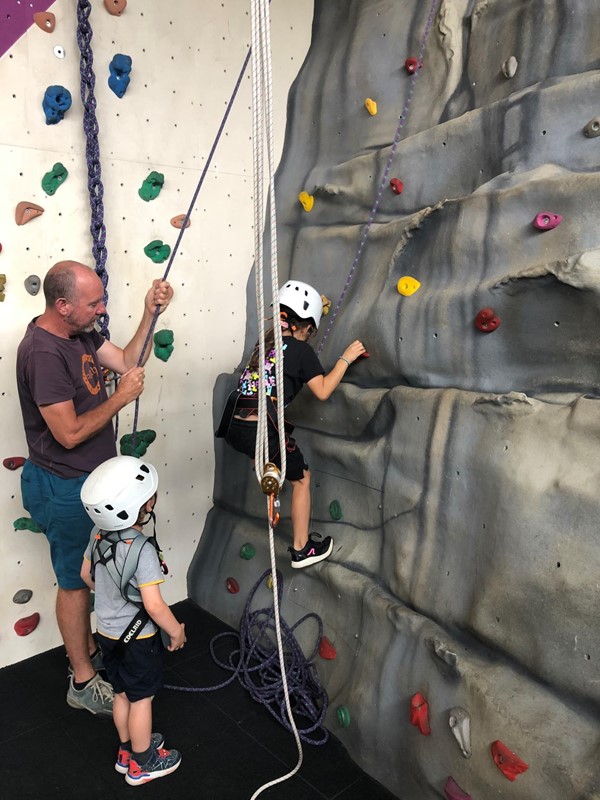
466,464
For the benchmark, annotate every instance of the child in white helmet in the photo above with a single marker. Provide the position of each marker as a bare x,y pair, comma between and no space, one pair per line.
301,309
125,569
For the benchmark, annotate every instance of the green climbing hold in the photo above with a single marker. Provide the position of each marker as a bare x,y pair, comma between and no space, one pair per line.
150,188
157,251
247,551
143,439
26,524
55,178
163,344
335,510
343,716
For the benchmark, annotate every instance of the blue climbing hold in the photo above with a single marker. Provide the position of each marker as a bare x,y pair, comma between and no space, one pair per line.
56,102
119,67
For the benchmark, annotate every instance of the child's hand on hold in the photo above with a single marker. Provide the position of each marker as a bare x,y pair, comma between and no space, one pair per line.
354,351
178,641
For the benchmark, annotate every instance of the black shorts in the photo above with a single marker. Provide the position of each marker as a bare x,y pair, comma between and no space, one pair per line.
242,437
139,673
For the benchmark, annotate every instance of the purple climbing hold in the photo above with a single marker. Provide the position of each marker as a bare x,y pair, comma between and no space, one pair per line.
454,792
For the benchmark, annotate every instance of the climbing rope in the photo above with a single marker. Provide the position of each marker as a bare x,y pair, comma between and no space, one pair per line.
92,151
384,180
255,664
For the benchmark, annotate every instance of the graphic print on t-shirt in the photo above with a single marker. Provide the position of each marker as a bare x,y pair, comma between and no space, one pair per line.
249,377
89,373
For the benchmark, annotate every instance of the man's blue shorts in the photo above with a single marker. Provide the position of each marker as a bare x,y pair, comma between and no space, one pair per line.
55,504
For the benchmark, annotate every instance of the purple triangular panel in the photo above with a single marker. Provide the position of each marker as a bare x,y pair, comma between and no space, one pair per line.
17,18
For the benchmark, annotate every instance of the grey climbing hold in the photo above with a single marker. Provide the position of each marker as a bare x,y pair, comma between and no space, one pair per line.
32,284
22,596
446,660
592,129
460,725
510,66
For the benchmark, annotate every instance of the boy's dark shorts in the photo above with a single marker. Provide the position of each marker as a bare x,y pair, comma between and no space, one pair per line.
242,437
140,672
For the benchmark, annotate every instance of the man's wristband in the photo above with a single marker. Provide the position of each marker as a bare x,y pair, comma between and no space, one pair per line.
342,358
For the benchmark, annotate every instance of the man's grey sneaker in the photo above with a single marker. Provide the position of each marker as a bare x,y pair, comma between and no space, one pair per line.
315,550
96,697
124,756
96,661
161,763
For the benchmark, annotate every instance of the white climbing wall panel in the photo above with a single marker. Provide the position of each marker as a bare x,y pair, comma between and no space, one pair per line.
186,58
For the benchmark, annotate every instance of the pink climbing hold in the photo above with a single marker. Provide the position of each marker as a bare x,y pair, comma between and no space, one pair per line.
487,320
454,792
26,625
509,764
419,713
411,65
397,186
546,221
326,649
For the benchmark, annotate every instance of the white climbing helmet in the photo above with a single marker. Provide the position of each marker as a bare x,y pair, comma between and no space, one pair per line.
303,300
115,491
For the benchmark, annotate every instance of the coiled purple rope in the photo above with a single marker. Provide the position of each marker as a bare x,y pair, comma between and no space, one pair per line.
386,172
255,664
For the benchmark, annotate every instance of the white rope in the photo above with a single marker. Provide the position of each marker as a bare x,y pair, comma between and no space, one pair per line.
262,126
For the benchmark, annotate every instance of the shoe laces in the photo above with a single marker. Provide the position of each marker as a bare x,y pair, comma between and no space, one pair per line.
102,691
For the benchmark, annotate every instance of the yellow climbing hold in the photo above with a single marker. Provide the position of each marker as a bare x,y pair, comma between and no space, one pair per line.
307,200
408,285
326,304
371,106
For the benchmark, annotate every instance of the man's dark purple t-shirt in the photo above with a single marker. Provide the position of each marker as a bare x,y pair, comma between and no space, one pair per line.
51,369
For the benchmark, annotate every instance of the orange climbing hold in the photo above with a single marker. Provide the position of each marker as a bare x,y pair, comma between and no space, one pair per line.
509,764
45,20
26,625
26,211
115,7
419,713
326,649
177,222
13,463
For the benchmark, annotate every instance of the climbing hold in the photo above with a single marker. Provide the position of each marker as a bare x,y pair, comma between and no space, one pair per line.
27,625
115,7
150,188
407,285
270,581
411,65
546,221
454,792
177,222
118,80
56,102
343,716
247,551
13,463
163,344
232,585
460,725
157,251
509,67
326,649
326,304
55,178
27,524
45,20
59,51
108,376
32,284
592,129
143,439
486,320
2,288
26,211
397,186
371,106
307,201
335,510
22,596
509,764
419,713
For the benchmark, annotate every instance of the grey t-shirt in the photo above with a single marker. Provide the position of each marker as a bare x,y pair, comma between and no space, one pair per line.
113,613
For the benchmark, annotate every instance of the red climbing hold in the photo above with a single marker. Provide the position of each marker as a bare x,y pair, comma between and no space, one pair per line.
115,7
13,463
326,649
397,186
26,625
411,65
487,321
419,713
232,585
546,221
454,792
509,764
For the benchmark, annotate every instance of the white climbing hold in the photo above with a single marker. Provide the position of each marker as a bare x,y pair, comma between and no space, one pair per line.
509,68
460,725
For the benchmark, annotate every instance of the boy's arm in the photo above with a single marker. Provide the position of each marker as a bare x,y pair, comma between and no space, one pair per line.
163,616
86,574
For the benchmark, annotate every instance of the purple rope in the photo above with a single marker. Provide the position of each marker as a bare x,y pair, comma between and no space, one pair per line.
386,172
92,151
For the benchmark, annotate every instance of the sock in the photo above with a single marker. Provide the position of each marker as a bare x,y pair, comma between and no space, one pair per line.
125,745
79,686
142,758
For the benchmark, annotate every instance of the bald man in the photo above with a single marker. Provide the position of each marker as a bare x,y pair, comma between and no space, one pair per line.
67,416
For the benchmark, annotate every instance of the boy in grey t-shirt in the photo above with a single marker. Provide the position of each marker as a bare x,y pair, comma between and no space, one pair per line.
119,497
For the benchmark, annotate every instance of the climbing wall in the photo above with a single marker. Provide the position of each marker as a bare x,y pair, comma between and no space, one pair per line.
184,65
457,467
